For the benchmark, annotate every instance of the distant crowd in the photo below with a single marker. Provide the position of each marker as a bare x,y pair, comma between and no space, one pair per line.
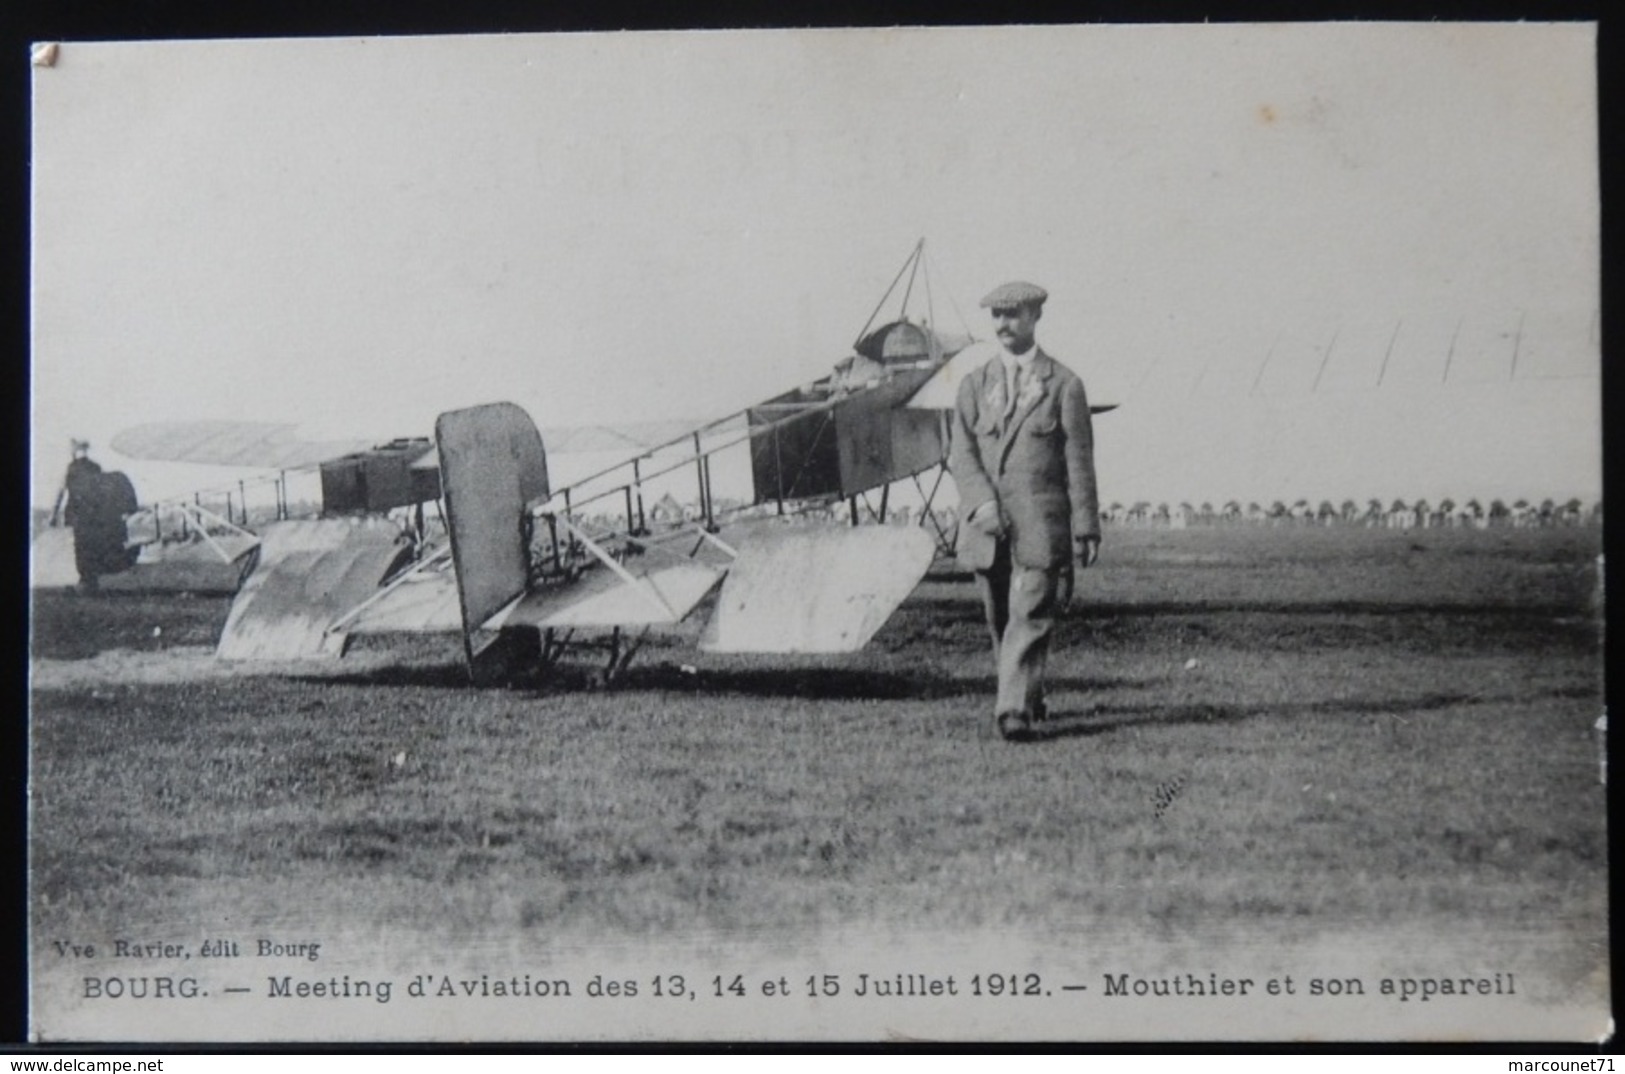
1373,513
1398,514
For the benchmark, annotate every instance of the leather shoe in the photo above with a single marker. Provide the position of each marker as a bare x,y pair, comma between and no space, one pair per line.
1013,725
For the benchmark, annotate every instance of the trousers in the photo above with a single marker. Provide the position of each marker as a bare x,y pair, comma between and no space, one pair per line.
1021,604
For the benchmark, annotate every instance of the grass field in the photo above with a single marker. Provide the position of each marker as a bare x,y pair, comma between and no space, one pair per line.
1287,731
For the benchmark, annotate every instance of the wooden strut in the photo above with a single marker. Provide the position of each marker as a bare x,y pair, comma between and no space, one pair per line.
700,461
930,309
204,515
912,272
778,473
204,512
657,545
649,591
645,544
910,262
944,545
399,580
553,539
707,535
824,409
705,470
806,459
621,648
699,471
203,532
587,491
554,646
620,655
637,483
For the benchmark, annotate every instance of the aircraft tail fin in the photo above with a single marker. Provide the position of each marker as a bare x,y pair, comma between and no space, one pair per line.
492,467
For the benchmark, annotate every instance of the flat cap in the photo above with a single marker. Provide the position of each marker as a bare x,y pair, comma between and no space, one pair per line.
1015,293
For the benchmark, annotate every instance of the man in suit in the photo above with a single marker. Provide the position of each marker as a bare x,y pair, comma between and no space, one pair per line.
95,505
81,473
1022,455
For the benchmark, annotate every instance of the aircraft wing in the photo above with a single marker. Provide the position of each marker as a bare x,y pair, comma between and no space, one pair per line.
271,445
816,589
787,590
425,603
310,572
629,437
654,597
290,446
941,391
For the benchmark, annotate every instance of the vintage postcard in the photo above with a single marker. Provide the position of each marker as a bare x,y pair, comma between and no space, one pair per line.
1008,533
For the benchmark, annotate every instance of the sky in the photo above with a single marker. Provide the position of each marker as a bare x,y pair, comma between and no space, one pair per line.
1308,261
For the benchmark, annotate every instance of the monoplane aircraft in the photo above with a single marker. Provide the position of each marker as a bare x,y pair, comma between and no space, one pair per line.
532,569
107,539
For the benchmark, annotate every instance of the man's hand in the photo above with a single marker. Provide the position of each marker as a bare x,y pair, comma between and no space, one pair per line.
1085,550
986,519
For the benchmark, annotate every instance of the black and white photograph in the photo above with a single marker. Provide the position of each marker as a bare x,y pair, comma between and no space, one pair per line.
1003,533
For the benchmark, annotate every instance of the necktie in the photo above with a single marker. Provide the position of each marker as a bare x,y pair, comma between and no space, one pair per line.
1012,386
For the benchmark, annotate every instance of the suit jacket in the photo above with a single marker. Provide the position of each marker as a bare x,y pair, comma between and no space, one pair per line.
1039,467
